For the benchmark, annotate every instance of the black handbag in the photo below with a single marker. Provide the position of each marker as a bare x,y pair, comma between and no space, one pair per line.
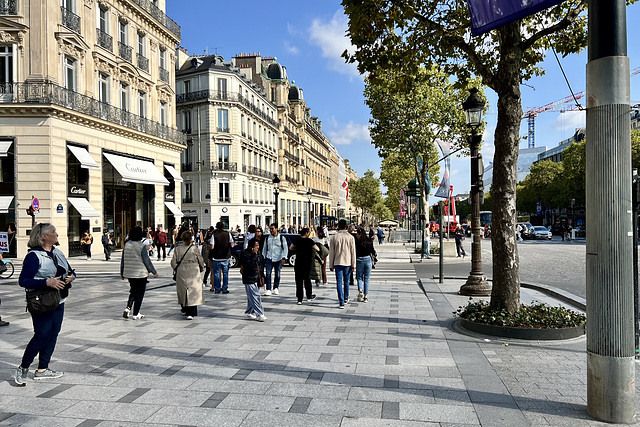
42,300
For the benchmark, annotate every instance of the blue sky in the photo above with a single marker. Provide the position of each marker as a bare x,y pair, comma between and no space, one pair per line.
308,38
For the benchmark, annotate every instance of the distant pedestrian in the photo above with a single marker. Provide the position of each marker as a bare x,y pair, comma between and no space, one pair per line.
342,258
274,252
305,249
107,244
251,233
459,236
380,235
364,263
173,238
160,240
250,269
221,243
44,266
206,249
86,242
188,264
136,265
319,271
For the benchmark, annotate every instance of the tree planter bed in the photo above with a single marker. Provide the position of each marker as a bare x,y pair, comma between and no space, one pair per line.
522,333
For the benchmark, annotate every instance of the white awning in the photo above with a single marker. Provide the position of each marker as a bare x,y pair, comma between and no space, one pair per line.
83,156
174,173
135,170
4,147
83,206
5,202
175,210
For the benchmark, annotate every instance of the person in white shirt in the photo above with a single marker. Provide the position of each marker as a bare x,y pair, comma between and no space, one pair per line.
275,252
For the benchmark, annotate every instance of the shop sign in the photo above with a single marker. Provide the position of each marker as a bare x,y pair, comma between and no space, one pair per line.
169,197
60,209
78,190
189,210
247,211
4,242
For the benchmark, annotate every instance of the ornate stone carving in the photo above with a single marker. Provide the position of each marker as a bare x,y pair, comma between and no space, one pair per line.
104,67
70,50
104,5
154,45
125,77
7,37
88,3
141,31
164,96
123,18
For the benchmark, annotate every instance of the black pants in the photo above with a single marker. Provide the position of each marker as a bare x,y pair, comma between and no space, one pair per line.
459,248
207,271
163,247
190,310
107,252
87,250
303,284
136,294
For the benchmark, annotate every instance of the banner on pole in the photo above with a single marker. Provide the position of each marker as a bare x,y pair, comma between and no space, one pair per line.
4,242
443,190
487,15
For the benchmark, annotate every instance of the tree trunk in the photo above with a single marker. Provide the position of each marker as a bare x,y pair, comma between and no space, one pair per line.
506,265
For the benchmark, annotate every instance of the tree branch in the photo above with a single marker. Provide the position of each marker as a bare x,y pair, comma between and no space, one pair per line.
569,18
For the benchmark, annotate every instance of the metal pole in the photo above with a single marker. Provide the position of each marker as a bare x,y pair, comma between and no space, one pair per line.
636,305
610,329
441,260
276,209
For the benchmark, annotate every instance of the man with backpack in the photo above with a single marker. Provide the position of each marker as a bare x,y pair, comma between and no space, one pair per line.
107,244
275,254
221,243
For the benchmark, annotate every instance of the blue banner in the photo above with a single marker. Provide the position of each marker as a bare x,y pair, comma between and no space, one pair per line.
487,15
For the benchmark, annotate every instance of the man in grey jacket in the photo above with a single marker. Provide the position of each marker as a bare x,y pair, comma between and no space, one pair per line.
342,259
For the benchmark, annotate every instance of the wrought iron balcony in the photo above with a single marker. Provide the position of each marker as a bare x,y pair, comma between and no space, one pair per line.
291,157
164,75
70,20
159,15
124,51
291,179
8,7
143,63
224,166
186,167
105,40
50,93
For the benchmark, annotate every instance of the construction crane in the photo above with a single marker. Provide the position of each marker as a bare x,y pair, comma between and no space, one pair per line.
559,105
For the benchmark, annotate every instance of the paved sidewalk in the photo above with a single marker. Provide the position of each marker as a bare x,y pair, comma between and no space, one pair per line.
391,362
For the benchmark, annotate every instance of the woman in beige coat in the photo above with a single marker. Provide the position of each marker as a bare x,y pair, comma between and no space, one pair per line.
188,263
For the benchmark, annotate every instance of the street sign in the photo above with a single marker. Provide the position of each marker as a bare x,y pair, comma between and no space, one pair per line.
35,204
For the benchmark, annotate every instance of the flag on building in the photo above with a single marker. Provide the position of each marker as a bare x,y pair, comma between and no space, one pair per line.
345,185
443,190
487,15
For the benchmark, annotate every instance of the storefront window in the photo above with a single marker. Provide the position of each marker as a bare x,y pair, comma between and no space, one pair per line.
7,192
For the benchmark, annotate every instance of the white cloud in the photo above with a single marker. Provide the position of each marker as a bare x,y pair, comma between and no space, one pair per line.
349,133
293,50
570,120
331,38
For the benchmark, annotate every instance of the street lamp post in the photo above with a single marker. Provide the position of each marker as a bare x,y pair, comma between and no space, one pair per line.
309,211
350,218
476,284
276,186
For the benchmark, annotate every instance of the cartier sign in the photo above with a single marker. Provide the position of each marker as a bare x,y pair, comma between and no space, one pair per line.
169,197
77,190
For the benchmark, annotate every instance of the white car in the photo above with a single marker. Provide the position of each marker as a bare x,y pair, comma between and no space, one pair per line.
540,232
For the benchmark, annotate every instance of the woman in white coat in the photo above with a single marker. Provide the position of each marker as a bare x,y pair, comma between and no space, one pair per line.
188,263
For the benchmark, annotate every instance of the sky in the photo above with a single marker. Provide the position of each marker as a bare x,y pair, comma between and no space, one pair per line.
309,37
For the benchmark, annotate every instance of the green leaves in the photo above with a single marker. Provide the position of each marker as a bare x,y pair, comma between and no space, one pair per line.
528,316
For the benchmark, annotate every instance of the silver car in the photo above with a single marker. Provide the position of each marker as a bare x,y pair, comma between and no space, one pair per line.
540,232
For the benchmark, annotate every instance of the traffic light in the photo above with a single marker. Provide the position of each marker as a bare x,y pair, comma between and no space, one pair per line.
30,211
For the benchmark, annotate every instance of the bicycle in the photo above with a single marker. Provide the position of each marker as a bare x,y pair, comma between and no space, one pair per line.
6,274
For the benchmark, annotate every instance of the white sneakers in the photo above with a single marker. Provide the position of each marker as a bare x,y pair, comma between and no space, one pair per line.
138,316
276,291
261,318
189,317
267,293
250,316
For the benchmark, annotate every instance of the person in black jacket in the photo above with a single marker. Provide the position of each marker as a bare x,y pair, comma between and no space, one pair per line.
251,270
364,263
459,238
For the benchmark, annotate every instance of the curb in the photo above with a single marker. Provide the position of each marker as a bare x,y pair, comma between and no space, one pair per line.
557,293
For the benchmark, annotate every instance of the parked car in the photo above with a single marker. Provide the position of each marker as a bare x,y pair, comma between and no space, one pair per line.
540,232
528,232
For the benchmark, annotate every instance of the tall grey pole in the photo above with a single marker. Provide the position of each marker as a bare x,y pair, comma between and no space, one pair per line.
441,255
610,329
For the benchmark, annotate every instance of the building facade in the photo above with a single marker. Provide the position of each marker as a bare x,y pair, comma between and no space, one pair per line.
87,118
232,144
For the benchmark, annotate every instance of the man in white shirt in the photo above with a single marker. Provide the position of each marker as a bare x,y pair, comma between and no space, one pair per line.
275,254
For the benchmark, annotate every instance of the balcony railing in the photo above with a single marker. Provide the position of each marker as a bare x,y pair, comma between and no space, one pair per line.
224,199
70,20
124,51
256,171
159,15
50,93
8,7
224,166
291,157
143,62
105,40
224,96
164,75
317,153
291,179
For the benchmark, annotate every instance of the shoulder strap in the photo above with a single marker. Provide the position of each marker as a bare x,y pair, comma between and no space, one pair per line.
183,255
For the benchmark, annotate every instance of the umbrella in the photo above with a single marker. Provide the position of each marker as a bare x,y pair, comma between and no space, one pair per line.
388,223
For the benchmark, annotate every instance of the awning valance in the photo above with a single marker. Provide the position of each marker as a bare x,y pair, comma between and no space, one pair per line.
5,202
83,206
4,147
175,210
174,173
136,170
83,156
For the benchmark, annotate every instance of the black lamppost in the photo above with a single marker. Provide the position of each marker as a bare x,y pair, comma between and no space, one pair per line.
350,218
309,200
276,187
476,284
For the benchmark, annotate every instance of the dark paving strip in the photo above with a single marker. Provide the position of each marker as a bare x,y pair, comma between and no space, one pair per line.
140,350
289,328
143,324
99,322
341,329
350,311
191,325
394,305
392,343
276,340
238,327
393,331
214,400
171,371
241,375
345,319
325,357
391,410
6,415
391,381
89,423
117,335
300,405
56,390
133,395
315,378
299,318
102,369
82,348
261,355
393,311
392,360
333,342
199,353
168,337
393,319
222,338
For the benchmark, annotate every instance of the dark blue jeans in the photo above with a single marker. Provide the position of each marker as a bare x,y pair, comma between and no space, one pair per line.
270,265
46,327
342,282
